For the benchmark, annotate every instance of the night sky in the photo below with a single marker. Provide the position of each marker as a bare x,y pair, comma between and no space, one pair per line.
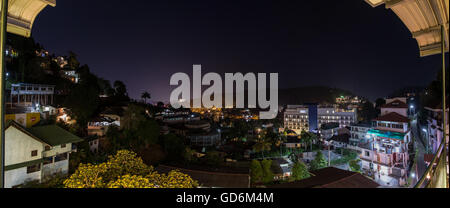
346,44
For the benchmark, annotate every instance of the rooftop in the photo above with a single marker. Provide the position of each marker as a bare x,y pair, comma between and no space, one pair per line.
395,104
345,138
212,179
327,126
52,135
393,117
331,178
366,125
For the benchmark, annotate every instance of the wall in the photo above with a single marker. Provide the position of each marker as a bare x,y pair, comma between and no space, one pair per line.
19,176
401,111
19,145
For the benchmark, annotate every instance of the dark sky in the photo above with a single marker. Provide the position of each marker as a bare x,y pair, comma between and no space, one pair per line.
346,44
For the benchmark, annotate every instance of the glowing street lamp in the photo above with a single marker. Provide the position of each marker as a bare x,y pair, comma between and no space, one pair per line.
16,17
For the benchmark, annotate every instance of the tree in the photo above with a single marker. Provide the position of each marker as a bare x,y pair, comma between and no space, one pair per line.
262,146
299,171
72,61
256,171
145,96
354,165
379,102
120,89
83,100
174,147
368,112
308,138
133,116
267,170
105,87
213,158
148,132
126,170
160,104
319,162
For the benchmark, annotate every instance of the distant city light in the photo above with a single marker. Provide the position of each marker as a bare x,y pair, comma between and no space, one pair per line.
412,106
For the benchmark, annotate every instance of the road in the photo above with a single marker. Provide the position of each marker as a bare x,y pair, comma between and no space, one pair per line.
419,145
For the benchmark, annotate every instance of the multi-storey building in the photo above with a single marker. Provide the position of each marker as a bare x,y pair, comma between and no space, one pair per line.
396,105
358,133
31,94
36,153
348,100
298,119
385,153
434,129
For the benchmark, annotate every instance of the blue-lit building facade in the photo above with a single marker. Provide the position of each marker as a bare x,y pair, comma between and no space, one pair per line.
385,149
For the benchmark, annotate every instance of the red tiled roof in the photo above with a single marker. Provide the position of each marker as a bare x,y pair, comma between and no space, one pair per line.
395,104
331,178
393,117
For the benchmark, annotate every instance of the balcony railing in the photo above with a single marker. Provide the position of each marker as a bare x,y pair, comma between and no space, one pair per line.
435,176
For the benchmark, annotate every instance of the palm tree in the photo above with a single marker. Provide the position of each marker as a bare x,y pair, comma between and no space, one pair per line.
308,138
145,95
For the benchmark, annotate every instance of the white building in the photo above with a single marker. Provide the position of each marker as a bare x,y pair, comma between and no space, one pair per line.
329,130
397,106
358,133
36,153
434,132
385,154
296,117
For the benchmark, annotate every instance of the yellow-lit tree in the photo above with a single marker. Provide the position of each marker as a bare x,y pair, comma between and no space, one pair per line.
126,170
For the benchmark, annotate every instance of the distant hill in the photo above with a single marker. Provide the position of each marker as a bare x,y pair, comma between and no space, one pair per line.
310,94
405,90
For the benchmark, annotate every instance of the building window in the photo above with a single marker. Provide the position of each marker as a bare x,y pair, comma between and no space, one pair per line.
61,157
367,153
47,148
48,160
63,146
34,153
33,168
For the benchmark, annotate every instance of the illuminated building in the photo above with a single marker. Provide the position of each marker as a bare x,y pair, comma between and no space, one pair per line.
31,94
385,155
358,133
297,117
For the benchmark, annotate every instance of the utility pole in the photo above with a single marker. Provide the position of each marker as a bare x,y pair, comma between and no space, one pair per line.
3,23
329,154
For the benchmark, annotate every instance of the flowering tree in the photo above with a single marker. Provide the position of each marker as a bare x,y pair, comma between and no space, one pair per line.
126,170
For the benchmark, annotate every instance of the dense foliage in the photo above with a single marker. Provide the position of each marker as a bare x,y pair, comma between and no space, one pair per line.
299,171
319,162
126,170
